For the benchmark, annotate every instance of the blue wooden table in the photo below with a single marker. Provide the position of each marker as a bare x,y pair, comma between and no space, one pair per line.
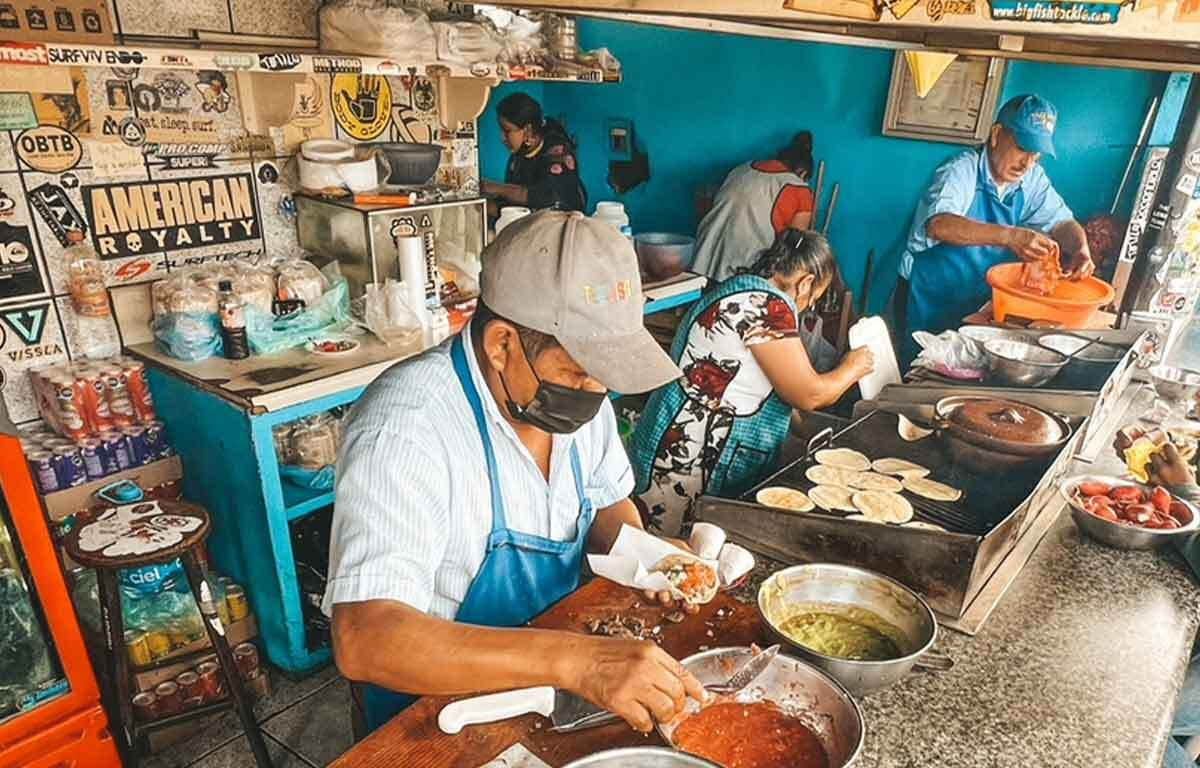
219,415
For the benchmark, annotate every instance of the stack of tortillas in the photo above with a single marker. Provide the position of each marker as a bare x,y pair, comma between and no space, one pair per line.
780,497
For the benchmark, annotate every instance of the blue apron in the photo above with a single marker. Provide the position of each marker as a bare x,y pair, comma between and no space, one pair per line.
521,575
948,281
752,448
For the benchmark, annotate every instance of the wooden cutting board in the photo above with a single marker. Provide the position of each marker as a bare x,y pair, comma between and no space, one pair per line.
412,739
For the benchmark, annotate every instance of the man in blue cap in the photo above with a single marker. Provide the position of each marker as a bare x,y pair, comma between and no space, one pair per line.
986,206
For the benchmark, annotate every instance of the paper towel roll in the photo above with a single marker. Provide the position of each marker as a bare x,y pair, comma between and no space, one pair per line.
410,255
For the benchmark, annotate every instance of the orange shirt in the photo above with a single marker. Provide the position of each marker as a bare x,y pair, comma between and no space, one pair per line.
792,198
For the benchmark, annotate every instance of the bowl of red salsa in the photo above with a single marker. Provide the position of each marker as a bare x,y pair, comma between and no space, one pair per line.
792,716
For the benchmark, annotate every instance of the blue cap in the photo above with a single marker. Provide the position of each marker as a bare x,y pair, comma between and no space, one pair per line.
1031,120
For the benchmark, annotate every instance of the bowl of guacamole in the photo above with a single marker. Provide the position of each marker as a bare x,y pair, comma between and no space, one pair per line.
863,628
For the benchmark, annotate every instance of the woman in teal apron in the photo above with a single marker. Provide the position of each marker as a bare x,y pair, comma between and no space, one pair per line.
718,430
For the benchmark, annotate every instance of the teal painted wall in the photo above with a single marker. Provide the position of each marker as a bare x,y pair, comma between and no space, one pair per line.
701,103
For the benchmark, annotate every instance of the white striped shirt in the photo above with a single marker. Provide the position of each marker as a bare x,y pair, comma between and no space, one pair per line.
413,505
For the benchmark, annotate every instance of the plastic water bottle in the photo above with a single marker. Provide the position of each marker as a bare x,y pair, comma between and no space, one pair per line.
614,213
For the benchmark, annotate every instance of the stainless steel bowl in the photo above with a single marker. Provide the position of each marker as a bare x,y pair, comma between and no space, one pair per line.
795,686
1119,535
829,586
1081,349
1021,364
642,757
982,334
1177,385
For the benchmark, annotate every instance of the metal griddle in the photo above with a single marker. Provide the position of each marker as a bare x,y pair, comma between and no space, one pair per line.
984,503
949,568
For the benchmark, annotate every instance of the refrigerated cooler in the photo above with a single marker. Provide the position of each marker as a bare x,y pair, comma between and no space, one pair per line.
50,712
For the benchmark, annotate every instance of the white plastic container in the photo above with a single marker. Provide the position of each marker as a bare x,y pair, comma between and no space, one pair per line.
872,332
614,213
509,214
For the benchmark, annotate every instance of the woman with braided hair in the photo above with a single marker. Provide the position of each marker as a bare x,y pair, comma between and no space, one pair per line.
718,429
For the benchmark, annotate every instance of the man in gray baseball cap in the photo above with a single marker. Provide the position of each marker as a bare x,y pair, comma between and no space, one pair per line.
473,479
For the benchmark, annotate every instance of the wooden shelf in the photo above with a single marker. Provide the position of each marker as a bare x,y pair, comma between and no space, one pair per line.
284,61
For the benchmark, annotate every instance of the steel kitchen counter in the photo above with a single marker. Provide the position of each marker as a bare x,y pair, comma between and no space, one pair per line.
1078,665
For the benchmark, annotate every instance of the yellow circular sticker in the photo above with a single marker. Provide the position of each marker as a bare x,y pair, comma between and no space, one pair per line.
362,105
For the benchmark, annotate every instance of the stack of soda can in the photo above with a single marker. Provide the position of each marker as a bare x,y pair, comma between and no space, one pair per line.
99,419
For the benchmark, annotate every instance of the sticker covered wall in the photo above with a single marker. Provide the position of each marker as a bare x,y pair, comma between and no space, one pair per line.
144,217
161,170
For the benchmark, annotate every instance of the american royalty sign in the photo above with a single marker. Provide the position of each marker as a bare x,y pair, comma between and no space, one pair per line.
149,217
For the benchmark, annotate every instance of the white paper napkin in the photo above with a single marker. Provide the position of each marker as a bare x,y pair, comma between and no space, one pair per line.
635,552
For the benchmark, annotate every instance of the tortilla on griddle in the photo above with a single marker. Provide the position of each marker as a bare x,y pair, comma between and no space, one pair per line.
931,489
843,458
692,579
898,467
871,481
819,474
882,506
788,499
833,498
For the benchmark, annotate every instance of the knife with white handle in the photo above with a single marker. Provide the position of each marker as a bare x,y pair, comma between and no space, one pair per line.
565,710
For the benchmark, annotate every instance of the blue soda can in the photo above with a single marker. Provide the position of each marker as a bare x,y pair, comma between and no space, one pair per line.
108,456
139,448
114,443
68,466
41,466
93,460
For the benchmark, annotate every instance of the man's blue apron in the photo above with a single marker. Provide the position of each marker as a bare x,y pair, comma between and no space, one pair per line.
948,281
754,440
521,575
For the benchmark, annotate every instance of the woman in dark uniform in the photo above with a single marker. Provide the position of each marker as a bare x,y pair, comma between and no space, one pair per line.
542,171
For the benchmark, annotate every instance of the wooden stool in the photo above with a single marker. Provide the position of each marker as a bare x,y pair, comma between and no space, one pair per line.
147,533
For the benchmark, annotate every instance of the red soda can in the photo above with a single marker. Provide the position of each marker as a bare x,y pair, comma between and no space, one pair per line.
120,405
69,408
139,392
94,395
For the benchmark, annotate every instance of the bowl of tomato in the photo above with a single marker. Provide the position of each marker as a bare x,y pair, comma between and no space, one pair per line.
1125,514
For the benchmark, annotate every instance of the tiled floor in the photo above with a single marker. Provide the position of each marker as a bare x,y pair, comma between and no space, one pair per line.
306,725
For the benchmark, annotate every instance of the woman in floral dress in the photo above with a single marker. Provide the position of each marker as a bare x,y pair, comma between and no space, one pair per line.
719,428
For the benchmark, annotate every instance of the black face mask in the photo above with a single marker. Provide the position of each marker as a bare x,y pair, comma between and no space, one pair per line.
555,408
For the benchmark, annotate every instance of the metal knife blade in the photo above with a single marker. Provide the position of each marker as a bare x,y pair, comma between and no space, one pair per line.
574,713
752,668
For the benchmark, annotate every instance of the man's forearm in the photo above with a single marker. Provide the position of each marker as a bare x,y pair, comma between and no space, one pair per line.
959,230
393,645
607,525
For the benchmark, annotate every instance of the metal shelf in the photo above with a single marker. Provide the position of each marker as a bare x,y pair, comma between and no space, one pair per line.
284,61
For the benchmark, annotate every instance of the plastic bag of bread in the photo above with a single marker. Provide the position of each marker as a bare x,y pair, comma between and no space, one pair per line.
256,286
300,280
377,28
